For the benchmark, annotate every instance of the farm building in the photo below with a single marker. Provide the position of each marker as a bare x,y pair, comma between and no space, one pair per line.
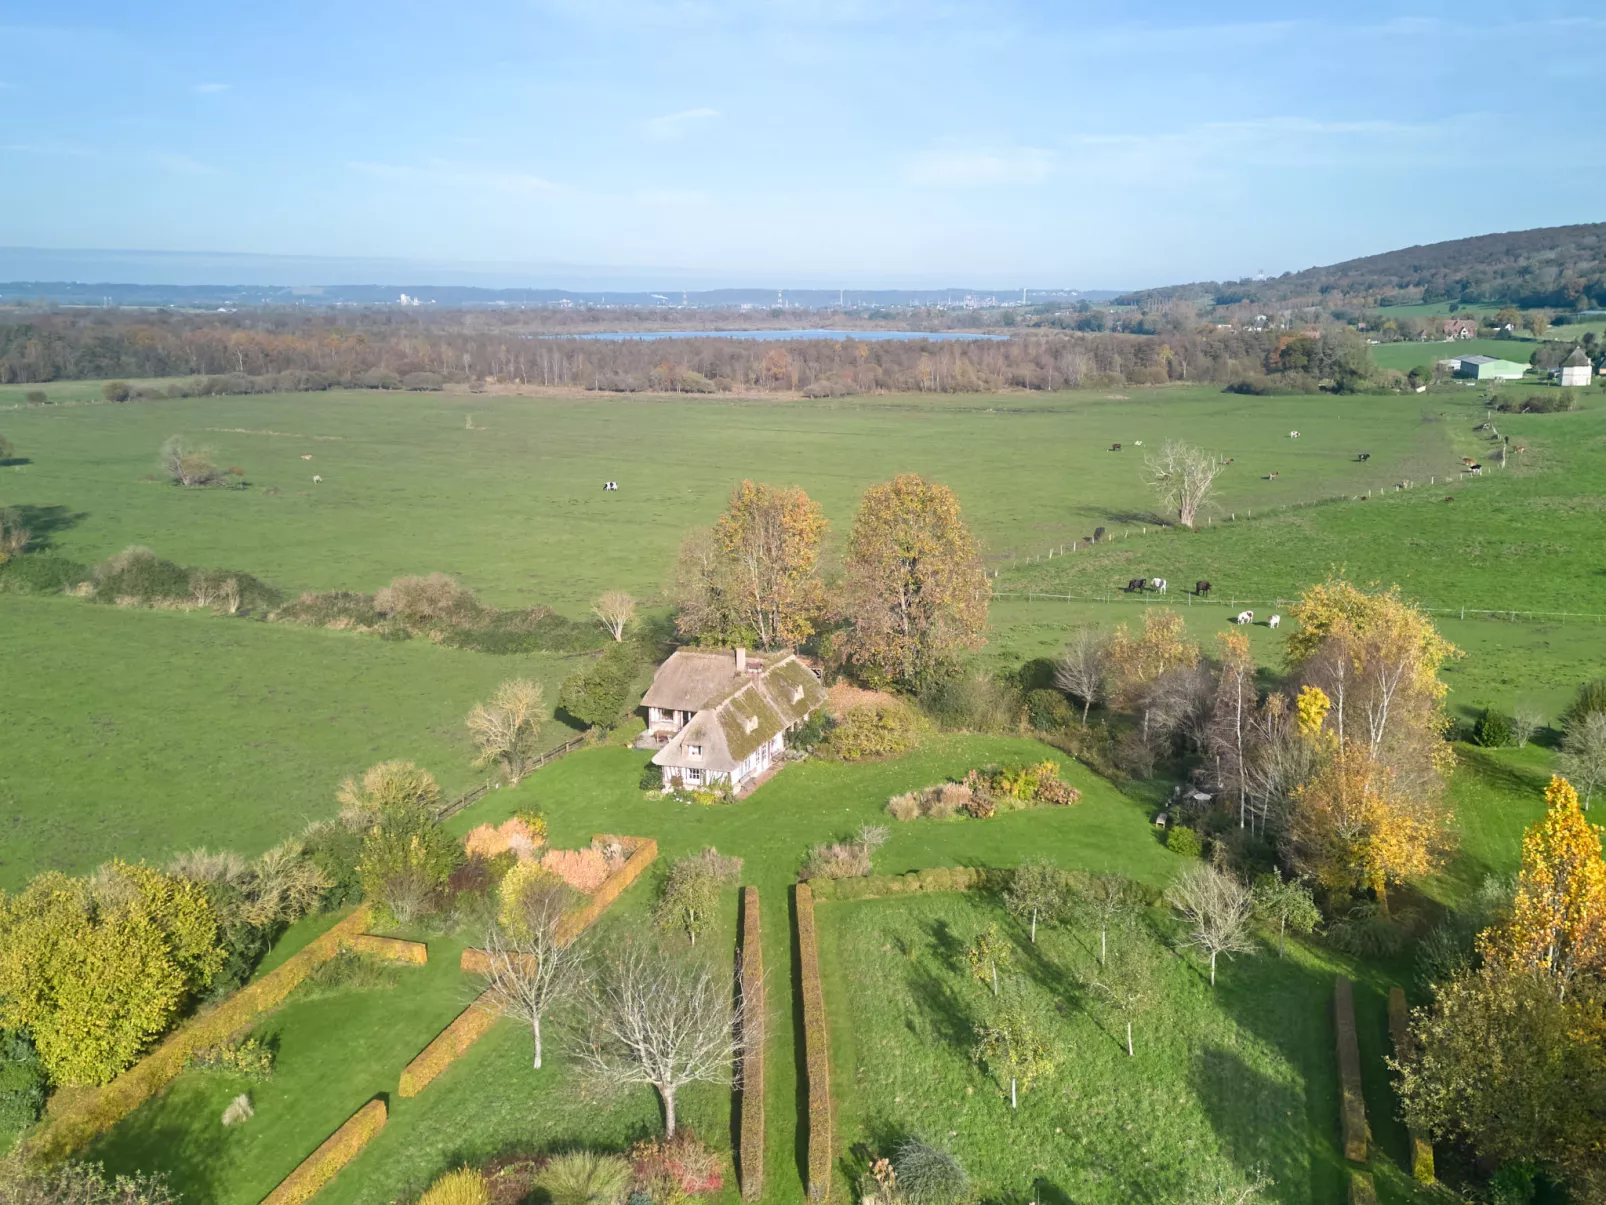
720,716
1576,369
1488,368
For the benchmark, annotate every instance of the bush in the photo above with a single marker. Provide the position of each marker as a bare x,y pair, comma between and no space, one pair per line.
423,380
875,730
972,703
465,1186
247,1058
187,466
73,1183
532,630
1559,402
811,732
673,1166
116,391
40,573
1049,711
584,1178
836,860
339,609
407,859
1493,730
930,1175
905,806
22,1085
347,971
602,694
137,574
1183,840
37,397
379,378
421,604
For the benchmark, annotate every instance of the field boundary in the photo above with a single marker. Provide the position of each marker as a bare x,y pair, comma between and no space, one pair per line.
86,1115
1351,1102
474,794
1421,1149
1120,596
816,1047
750,1147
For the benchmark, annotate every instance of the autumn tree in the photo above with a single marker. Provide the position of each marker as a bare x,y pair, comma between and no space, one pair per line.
690,893
529,969
1036,890
1182,477
96,969
1013,1044
616,611
755,576
1352,826
506,730
385,784
914,594
1138,663
987,954
1216,908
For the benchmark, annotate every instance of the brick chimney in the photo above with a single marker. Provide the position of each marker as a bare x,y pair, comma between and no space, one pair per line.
741,661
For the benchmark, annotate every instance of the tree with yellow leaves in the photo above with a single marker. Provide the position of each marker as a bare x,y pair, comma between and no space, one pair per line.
1138,662
1558,920
1352,827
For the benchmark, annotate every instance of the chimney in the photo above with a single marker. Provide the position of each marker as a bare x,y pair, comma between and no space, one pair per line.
741,661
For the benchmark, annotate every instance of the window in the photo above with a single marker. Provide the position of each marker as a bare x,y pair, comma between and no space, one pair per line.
694,777
750,724
694,751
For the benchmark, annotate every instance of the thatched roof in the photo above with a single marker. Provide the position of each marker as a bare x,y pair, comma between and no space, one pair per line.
1577,360
753,709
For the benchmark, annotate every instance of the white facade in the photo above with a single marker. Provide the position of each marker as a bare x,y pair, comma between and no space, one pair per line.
1575,374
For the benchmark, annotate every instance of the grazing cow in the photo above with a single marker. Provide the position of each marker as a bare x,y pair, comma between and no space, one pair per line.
1245,617
306,457
1115,447
1135,585
1227,461
1201,588
1364,456
610,485
1274,621
1293,435
1137,443
1475,469
1271,477
1157,583
316,480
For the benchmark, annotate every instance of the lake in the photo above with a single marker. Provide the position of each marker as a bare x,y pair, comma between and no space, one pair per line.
862,336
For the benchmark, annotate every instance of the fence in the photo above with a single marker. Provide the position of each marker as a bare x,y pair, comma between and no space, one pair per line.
454,806
1513,615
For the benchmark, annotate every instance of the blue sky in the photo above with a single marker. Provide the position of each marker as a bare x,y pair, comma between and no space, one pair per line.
797,142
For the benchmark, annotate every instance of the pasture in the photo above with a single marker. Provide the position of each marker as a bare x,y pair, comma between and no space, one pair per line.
1405,356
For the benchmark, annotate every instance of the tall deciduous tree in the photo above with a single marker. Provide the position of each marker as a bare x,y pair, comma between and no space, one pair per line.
507,729
914,593
1231,730
1217,908
529,970
1083,670
755,576
1182,477
1139,662
615,611
662,1021
1583,753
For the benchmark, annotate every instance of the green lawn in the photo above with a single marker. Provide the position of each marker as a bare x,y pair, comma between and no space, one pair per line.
138,733
1408,355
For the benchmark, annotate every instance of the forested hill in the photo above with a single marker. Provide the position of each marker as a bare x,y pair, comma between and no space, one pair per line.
1555,266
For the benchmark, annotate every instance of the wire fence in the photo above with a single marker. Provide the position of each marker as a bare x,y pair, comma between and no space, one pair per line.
453,806
1153,598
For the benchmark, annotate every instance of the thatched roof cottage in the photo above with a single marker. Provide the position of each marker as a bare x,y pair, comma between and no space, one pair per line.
721,716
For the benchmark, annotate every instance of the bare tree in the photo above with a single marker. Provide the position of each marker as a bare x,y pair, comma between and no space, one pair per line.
1083,670
1108,901
663,1021
529,970
506,729
1181,477
14,537
1217,908
616,610
1128,983
1583,753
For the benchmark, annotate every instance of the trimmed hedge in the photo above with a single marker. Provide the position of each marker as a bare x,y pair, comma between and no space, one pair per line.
1361,1189
1351,1104
393,949
472,1023
339,1149
77,1120
751,1147
644,850
1400,1030
936,878
449,1045
816,1048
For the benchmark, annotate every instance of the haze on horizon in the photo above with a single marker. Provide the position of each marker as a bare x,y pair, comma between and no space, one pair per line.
706,143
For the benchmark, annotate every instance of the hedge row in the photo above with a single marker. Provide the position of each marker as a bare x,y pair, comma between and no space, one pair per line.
643,851
472,1023
449,1045
1352,1106
875,886
751,1152
76,1120
1361,1189
1400,1029
816,1047
339,1149
392,948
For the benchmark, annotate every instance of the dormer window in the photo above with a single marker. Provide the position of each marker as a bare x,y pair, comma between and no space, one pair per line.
797,694
694,750
750,724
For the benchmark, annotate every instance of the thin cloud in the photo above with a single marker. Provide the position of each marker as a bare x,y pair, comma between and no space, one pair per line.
953,167
673,126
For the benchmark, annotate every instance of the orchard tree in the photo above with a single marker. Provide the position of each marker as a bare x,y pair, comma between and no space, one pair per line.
1036,889
1012,1045
914,594
989,952
529,970
1217,908
1286,903
1108,902
1127,981
690,894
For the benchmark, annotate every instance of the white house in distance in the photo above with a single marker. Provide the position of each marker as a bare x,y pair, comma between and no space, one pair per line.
1575,369
720,716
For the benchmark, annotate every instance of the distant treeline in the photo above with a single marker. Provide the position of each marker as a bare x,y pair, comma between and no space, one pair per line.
237,353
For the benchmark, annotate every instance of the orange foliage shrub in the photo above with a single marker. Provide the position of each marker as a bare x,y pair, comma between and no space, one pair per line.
339,1149
392,948
515,833
583,869
448,1046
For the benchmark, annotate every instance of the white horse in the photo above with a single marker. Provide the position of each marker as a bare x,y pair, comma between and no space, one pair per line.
1245,617
1274,621
1293,435
1157,583
316,480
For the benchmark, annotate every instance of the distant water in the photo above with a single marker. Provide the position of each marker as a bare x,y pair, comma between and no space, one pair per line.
862,336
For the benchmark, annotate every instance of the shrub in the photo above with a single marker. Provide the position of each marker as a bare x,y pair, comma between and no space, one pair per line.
247,1058
1183,840
239,1109
347,971
137,574
465,1186
600,695
874,730
680,1164
384,785
584,1178
906,806
423,380
37,397
339,609
336,851
1558,402
423,603
379,378
27,1183
949,799
40,573
116,391
407,859
972,703
22,1085
1493,730
930,1175
186,465
531,630
1049,710
584,870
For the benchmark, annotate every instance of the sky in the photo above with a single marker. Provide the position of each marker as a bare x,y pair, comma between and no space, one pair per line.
818,143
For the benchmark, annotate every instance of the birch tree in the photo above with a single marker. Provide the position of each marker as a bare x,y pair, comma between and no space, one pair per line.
1083,670
616,611
529,971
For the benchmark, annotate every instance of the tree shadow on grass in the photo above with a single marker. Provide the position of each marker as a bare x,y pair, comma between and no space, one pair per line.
1259,1122
163,1136
949,1016
44,522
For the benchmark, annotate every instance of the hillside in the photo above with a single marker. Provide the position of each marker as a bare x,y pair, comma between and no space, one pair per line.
1553,266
